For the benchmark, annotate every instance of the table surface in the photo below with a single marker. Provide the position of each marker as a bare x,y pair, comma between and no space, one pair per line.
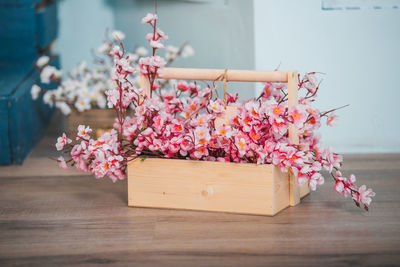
49,217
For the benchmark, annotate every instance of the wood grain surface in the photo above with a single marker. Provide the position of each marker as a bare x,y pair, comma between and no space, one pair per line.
207,186
52,220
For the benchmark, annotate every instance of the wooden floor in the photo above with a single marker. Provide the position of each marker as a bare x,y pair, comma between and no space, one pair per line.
48,219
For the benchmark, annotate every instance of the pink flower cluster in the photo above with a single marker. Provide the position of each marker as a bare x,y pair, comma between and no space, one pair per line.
183,124
100,157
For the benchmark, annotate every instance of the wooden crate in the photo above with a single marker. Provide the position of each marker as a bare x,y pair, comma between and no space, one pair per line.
27,29
23,121
216,186
209,186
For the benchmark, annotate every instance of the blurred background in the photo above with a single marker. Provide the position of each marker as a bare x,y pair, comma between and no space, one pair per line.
355,43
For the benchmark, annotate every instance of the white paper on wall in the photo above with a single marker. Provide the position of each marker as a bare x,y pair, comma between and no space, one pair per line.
359,4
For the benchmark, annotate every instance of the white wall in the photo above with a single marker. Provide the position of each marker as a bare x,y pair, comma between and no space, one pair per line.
221,32
358,49
360,52
82,27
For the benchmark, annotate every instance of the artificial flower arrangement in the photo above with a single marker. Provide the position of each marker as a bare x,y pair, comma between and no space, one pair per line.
180,123
84,88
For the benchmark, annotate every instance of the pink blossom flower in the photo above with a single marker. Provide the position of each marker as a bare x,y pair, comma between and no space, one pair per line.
156,44
253,108
116,51
241,145
149,18
62,141
310,82
182,86
200,152
255,134
224,131
316,179
174,146
83,131
276,110
62,163
216,106
202,136
332,120
147,132
339,187
232,98
150,64
186,146
200,120
161,34
177,126
268,90
193,105
333,160
279,126
205,92
365,195
298,116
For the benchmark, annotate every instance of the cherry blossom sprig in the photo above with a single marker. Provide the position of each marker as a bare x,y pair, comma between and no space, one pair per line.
150,66
101,157
181,124
123,93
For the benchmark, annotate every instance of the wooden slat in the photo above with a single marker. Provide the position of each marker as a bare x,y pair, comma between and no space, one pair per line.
145,85
232,75
293,135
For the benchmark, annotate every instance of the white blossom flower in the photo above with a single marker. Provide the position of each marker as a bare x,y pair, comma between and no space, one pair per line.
187,51
46,74
118,35
103,48
48,98
42,61
82,104
171,52
65,109
141,51
83,92
35,91
101,101
132,58
80,69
